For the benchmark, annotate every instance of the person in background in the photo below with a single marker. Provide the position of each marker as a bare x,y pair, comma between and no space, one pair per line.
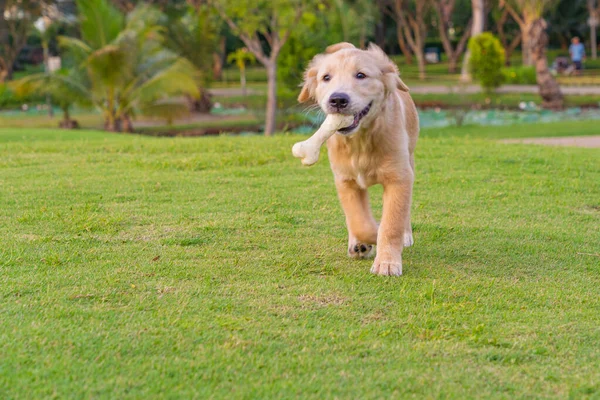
577,51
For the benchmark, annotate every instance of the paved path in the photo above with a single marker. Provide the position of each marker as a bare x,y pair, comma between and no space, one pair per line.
572,141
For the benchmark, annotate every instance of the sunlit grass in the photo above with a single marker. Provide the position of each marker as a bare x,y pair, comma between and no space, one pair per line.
137,267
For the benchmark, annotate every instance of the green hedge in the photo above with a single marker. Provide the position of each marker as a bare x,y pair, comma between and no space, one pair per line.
519,75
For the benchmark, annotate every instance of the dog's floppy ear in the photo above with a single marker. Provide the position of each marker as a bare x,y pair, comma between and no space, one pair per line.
391,74
310,80
389,69
339,46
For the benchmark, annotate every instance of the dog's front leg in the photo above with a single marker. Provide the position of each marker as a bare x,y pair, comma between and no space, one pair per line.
362,228
396,213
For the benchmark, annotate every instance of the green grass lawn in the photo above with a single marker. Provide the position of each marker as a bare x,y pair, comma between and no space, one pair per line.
138,267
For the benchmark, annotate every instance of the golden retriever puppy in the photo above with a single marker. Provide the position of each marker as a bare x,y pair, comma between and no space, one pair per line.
378,148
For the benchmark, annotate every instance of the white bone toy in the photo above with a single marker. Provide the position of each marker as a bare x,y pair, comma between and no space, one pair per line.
308,150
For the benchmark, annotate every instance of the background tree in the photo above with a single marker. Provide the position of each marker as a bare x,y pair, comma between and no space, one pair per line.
127,65
47,30
128,5
356,20
192,33
508,32
317,30
549,89
240,57
66,88
220,49
445,9
525,13
389,9
16,21
567,18
256,22
411,16
594,20
478,20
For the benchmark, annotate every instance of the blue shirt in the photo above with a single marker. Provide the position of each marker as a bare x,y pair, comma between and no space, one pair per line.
577,51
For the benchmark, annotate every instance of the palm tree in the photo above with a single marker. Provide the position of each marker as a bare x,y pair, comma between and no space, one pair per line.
193,34
64,87
129,69
240,57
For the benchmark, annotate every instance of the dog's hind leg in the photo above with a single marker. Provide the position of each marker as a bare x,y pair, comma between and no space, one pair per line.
362,228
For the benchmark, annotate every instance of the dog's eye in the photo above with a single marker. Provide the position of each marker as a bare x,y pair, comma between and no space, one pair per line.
327,77
360,75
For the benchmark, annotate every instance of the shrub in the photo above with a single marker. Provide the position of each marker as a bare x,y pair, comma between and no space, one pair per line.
487,60
520,75
11,100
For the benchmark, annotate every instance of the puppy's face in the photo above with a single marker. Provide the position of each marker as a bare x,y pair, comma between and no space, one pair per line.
349,81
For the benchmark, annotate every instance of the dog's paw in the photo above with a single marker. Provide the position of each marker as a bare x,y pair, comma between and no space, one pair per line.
360,250
408,239
387,268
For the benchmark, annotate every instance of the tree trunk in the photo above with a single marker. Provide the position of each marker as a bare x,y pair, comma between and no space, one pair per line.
453,62
408,56
3,70
67,122
593,42
201,105
476,29
564,43
527,60
127,124
271,112
362,40
443,13
8,73
380,27
243,81
112,124
420,56
508,51
66,116
414,29
549,89
47,71
593,22
219,59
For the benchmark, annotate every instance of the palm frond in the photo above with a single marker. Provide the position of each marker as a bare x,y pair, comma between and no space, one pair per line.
75,48
107,65
101,22
63,86
177,79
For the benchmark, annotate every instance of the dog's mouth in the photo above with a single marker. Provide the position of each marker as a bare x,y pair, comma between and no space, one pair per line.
357,118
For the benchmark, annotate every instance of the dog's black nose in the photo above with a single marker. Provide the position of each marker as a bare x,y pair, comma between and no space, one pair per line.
339,101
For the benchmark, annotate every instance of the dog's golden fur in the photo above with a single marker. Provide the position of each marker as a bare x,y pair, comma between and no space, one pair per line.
379,151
